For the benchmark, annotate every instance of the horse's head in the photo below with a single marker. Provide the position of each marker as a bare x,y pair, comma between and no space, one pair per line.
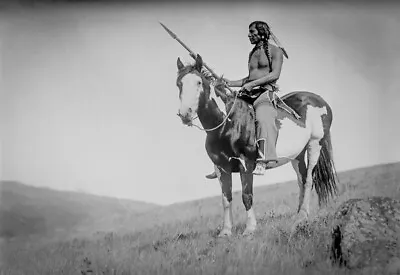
192,84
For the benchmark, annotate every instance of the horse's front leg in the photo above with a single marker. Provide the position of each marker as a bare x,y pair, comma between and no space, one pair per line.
225,180
246,177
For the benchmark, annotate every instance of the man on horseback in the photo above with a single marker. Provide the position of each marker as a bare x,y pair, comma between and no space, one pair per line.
259,88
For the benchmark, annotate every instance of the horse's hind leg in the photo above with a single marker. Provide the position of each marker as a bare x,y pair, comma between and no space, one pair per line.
299,166
247,198
313,153
225,180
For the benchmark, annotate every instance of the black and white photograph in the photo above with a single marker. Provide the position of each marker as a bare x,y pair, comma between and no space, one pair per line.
199,137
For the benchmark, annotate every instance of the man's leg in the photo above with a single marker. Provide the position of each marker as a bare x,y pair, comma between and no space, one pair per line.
267,133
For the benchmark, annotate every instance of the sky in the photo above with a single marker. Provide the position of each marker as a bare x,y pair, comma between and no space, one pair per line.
89,101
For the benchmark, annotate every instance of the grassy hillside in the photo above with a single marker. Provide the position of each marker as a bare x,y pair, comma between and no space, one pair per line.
282,198
27,210
181,238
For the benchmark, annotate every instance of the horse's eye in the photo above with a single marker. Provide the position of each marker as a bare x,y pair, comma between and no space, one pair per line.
199,83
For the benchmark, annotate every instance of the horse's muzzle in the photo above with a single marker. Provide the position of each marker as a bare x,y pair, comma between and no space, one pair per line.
186,120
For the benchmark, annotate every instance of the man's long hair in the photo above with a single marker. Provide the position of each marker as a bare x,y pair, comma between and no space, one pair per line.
265,32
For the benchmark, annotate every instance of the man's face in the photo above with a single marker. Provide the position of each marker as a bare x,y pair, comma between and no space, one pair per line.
253,35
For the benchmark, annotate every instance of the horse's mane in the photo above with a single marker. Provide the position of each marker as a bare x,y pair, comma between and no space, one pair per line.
191,67
207,75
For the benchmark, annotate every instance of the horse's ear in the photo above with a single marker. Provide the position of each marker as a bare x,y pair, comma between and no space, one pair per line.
199,63
179,64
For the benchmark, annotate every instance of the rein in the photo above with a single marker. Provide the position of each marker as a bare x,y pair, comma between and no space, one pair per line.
219,125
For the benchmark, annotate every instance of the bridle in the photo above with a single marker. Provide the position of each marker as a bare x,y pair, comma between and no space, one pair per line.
190,123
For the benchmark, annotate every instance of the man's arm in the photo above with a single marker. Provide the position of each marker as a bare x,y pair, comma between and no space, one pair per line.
236,83
277,61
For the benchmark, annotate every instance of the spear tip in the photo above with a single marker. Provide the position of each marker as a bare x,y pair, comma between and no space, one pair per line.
168,30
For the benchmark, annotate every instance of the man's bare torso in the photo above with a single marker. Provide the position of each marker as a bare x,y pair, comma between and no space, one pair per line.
258,64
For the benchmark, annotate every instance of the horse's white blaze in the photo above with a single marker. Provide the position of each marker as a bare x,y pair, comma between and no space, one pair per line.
192,86
217,99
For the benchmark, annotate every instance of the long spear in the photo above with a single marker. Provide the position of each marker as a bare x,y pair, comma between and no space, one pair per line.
193,55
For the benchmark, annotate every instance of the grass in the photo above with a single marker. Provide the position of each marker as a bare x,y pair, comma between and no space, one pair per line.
181,238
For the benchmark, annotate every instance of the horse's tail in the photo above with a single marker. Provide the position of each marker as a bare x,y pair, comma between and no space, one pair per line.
324,173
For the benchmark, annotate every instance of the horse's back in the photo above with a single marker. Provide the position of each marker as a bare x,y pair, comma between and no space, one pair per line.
301,100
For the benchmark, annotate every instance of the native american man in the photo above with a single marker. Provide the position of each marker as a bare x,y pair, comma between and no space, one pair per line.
265,64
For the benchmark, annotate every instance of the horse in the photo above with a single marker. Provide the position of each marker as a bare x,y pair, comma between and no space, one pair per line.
229,122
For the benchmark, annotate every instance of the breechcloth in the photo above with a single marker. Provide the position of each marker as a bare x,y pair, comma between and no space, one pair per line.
266,127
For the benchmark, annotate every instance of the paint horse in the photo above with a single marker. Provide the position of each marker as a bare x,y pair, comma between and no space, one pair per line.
230,141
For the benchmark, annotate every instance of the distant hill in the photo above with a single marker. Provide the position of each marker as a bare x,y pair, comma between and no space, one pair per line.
27,210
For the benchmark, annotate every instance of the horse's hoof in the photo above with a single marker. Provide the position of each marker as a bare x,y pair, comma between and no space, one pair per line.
225,233
249,232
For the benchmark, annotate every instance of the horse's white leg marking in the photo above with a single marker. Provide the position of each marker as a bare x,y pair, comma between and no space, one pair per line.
227,206
226,187
296,167
251,222
247,198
